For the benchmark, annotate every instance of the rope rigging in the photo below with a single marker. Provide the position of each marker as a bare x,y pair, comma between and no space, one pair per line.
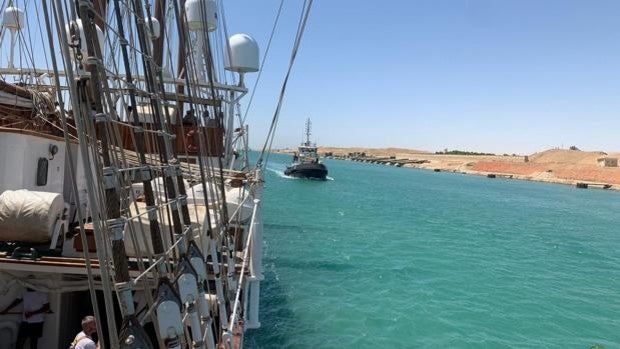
274,121
120,114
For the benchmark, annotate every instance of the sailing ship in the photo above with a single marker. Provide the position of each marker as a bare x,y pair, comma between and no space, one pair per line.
306,162
126,189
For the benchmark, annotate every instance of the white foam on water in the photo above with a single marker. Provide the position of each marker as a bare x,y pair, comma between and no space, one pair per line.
280,173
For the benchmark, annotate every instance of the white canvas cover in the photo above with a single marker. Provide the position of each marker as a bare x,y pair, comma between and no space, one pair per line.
29,216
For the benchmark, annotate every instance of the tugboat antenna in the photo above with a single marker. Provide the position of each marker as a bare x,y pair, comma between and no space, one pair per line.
308,126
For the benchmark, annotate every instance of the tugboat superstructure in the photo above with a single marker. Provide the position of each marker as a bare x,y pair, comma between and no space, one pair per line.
306,162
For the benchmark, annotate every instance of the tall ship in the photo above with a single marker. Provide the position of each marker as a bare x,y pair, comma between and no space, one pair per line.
306,162
127,197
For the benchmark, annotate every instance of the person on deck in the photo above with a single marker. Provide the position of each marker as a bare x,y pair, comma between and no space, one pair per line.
84,339
36,305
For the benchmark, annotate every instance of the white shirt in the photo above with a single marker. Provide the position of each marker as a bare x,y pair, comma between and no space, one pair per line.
82,341
34,300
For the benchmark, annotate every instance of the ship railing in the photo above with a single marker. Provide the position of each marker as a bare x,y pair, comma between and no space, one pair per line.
234,317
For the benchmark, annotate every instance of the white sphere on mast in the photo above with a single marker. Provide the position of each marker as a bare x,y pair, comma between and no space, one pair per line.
156,32
241,55
13,18
194,10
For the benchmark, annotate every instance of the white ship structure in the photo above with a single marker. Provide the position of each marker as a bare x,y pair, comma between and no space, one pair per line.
126,189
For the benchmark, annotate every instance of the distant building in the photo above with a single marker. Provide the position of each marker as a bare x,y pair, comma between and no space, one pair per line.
607,162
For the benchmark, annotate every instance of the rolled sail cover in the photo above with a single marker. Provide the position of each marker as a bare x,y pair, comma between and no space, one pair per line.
29,216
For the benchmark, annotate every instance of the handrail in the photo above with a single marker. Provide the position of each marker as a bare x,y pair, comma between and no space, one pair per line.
234,315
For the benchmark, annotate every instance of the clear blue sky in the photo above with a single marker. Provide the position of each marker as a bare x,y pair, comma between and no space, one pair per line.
486,75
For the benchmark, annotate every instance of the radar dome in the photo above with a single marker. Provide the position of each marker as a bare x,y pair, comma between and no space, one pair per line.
80,29
156,28
242,54
13,18
194,12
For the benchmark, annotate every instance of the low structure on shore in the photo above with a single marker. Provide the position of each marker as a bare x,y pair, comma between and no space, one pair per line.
607,162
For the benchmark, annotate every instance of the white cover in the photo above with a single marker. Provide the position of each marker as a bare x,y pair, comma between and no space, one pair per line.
142,228
29,216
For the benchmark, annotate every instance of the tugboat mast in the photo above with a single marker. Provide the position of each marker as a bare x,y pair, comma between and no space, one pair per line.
308,127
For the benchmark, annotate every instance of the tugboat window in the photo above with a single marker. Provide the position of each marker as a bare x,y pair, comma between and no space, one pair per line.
42,172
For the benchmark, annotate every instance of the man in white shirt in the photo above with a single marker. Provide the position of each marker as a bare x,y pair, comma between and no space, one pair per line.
33,317
84,339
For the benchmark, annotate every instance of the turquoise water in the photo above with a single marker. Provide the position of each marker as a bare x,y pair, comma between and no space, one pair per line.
383,257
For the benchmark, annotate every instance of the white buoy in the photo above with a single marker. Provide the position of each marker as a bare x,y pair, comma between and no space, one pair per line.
241,55
14,20
78,28
194,11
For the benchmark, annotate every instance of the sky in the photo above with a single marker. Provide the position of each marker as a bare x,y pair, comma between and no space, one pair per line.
503,76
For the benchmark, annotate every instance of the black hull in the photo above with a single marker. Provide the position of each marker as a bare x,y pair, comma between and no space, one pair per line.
311,171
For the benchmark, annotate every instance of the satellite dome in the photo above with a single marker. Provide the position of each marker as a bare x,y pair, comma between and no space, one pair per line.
194,13
156,28
13,18
242,54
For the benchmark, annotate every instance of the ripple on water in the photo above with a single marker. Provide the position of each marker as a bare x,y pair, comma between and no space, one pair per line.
400,258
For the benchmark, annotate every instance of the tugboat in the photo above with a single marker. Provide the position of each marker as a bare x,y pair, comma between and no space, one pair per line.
306,162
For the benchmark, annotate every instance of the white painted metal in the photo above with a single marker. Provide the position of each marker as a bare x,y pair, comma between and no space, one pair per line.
20,153
169,320
13,19
242,54
79,29
256,267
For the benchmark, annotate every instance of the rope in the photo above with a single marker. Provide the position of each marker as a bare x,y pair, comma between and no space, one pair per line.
274,121
260,71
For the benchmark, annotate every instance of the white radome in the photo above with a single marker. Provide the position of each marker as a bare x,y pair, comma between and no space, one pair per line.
80,29
194,11
156,28
243,54
13,18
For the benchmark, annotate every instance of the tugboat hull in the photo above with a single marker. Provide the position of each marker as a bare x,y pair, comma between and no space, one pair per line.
305,170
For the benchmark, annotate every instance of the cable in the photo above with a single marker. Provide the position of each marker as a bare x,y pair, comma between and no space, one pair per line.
300,30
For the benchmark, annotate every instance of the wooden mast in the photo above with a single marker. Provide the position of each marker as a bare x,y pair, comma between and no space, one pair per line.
101,9
158,44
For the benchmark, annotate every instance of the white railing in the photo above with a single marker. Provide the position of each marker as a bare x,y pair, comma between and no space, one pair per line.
228,334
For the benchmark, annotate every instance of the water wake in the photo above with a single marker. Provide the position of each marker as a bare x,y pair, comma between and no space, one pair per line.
280,173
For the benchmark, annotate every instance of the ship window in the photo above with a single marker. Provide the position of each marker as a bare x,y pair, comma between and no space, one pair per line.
42,172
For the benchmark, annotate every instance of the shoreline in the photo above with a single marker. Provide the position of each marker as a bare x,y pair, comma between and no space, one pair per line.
580,169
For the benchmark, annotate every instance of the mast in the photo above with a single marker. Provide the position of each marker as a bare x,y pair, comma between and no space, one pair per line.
101,11
308,128
158,44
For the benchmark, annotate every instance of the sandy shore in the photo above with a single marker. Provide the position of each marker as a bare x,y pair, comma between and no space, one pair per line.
554,166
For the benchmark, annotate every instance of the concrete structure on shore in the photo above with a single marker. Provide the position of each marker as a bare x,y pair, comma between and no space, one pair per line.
607,162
